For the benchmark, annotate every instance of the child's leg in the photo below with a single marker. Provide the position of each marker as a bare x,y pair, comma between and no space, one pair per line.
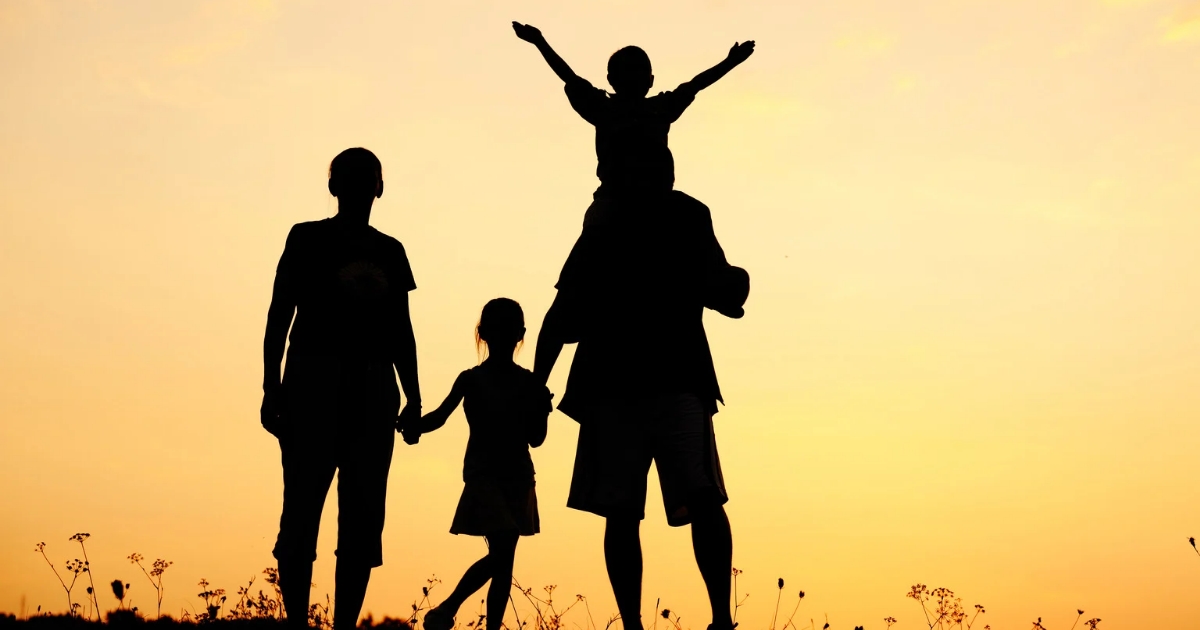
473,580
502,549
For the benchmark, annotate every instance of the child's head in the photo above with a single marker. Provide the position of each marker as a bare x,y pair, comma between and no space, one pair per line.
629,72
356,174
501,327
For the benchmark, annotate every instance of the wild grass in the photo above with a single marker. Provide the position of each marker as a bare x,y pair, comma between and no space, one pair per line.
941,608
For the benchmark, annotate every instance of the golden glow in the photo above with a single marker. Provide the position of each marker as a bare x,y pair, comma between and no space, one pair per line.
970,357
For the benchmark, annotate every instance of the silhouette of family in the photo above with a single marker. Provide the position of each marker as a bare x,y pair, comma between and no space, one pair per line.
642,384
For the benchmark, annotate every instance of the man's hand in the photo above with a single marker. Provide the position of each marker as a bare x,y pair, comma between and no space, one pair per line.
741,52
528,33
269,414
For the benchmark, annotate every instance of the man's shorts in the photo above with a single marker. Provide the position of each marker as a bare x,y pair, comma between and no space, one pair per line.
617,444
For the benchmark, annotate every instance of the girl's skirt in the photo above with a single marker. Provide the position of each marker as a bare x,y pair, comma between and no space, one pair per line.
489,506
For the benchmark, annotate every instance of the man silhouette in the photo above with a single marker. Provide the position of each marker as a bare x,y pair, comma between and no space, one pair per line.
334,410
642,384
632,294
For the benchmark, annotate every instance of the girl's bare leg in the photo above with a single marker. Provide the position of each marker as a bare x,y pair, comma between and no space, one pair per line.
502,550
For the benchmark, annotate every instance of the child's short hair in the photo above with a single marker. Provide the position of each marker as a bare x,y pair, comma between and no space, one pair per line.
355,170
502,320
629,68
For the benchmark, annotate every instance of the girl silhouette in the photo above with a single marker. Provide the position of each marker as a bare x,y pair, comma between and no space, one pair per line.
506,410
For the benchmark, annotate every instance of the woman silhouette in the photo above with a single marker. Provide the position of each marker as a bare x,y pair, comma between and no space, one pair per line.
334,409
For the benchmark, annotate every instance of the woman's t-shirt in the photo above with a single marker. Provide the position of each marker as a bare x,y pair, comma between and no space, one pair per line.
348,283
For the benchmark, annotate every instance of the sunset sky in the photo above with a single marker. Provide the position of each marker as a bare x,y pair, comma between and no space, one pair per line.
971,355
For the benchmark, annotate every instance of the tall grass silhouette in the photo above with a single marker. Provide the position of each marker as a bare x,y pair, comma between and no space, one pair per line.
941,608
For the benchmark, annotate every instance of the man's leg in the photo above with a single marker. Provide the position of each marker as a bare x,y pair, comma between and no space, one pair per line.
623,557
712,542
694,493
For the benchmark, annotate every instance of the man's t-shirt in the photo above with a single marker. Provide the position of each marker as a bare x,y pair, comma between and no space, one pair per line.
634,289
347,283
631,136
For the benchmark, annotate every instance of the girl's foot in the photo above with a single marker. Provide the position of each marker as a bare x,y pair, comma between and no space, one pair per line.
438,619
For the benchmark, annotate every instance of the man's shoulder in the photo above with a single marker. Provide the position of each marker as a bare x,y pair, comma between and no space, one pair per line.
685,207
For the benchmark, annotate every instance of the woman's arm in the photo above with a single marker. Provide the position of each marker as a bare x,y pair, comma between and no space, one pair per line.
406,366
279,320
532,35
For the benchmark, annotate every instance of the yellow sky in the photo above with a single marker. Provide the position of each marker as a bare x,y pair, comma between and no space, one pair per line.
970,357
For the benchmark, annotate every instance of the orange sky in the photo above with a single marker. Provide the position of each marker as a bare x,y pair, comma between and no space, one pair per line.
970,357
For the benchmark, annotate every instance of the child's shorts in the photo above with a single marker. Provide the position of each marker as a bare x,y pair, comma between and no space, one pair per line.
617,444
489,506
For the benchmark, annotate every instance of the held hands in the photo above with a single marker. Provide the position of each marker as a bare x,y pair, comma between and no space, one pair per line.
528,33
741,52
408,420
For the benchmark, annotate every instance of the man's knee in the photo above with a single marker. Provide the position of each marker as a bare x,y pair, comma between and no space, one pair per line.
707,513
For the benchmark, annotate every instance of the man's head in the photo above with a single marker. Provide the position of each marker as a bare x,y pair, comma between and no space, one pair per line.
356,174
629,72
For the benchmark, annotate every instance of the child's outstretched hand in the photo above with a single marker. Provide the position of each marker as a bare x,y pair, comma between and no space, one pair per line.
741,52
411,436
528,33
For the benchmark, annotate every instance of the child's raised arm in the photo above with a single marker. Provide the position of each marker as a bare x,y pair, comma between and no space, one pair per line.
532,35
737,54
435,419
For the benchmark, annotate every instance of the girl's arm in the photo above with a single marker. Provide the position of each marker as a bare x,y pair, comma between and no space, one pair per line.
435,419
737,54
532,35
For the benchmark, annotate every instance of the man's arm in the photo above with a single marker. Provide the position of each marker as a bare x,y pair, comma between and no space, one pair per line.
737,54
551,339
532,35
406,366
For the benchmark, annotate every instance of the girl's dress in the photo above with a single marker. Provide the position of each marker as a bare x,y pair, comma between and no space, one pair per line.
505,407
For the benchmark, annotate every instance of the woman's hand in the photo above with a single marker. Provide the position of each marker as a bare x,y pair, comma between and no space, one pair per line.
270,413
408,419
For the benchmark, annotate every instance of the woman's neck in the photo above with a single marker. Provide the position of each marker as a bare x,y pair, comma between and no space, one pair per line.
355,213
